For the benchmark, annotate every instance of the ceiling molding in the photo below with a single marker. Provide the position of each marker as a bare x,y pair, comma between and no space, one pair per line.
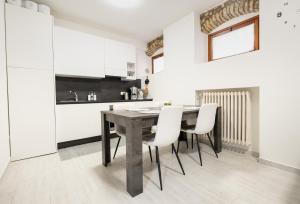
230,9
155,45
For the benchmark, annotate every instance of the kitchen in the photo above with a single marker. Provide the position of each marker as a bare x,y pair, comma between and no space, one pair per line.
85,95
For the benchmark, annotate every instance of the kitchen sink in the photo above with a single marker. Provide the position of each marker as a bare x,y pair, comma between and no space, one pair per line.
72,101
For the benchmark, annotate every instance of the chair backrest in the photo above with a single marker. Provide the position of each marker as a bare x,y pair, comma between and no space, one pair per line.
168,125
206,118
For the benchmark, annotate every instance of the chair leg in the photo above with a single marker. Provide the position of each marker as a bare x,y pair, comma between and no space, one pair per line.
192,141
187,143
150,153
173,147
212,145
199,152
158,166
117,147
178,145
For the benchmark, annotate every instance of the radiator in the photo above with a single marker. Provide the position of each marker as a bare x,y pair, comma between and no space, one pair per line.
236,119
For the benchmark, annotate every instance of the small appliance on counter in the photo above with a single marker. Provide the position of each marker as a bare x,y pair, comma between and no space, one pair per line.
124,95
92,96
140,94
134,93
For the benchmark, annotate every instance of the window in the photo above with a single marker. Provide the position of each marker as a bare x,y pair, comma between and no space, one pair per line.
234,40
157,63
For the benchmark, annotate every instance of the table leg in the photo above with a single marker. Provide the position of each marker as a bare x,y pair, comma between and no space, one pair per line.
134,157
106,157
217,131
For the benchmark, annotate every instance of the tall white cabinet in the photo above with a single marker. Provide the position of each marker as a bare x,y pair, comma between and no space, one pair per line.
30,82
29,38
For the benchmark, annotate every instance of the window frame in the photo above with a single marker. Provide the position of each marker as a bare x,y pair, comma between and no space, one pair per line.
254,20
155,57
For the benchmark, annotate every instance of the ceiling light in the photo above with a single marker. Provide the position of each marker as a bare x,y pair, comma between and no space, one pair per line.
125,4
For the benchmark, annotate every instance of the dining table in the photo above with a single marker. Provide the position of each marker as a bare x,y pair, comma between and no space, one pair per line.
135,122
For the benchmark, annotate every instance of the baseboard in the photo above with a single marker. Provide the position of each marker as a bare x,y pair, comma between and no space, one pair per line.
73,143
279,166
87,140
254,154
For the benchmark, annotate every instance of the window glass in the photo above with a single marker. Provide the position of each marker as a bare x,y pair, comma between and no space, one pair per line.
234,42
157,63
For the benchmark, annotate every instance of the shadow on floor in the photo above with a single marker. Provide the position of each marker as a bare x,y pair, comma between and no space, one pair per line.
85,149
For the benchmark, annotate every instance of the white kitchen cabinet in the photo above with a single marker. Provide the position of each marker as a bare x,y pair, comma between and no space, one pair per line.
32,113
117,57
131,71
130,53
79,121
78,54
29,38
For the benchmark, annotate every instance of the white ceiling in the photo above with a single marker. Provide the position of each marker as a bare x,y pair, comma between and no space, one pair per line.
140,19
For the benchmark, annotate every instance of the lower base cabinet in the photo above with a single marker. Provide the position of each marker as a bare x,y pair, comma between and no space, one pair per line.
79,121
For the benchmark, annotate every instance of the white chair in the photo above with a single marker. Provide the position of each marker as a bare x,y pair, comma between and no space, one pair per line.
118,130
167,132
205,124
121,131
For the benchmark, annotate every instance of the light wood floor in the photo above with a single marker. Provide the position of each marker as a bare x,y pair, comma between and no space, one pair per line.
74,175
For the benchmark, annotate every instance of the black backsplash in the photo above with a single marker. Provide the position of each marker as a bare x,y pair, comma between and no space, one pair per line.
107,89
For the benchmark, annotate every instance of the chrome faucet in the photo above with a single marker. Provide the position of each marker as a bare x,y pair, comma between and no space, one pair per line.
75,95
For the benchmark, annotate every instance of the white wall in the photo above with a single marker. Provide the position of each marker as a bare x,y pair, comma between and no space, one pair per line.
99,32
4,129
274,69
143,64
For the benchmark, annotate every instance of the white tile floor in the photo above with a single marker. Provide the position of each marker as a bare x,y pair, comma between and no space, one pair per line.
75,175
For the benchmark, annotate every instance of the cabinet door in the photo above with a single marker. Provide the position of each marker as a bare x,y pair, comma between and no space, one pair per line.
78,54
115,58
131,62
130,54
78,121
29,38
31,110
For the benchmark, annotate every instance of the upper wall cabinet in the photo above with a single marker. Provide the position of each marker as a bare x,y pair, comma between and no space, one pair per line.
29,38
120,59
78,54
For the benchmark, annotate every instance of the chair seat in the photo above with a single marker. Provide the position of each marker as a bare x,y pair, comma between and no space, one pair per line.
192,131
153,129
188,128
149,139
121,132
118,133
